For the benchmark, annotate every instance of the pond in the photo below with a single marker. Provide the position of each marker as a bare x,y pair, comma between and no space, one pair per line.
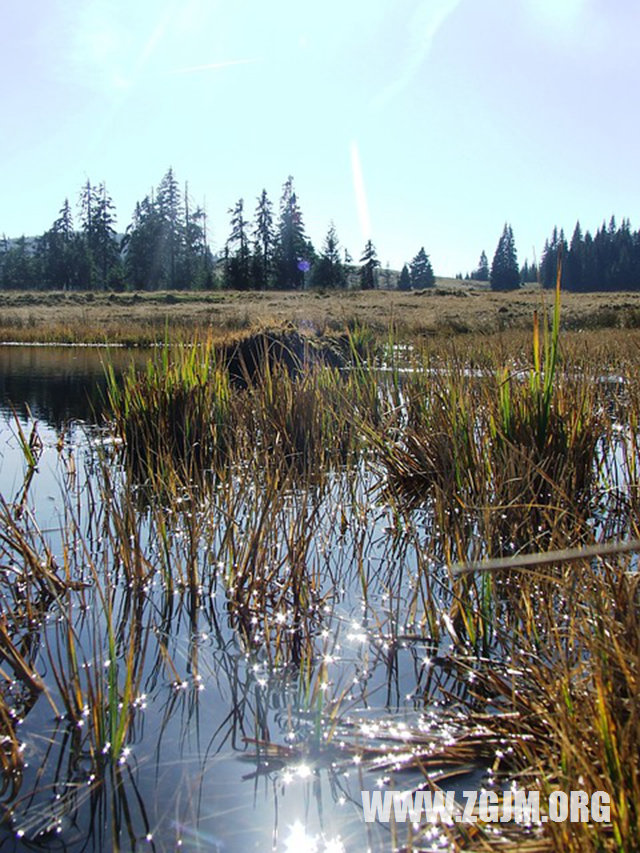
174,707
228,616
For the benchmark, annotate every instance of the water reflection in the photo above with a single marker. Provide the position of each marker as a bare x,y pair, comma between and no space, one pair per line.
58,383
177,712
228,672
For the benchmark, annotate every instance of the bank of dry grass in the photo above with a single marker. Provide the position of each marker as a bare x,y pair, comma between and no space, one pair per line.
142,318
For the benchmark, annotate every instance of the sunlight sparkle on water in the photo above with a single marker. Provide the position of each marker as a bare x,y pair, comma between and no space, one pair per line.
299,842
303,771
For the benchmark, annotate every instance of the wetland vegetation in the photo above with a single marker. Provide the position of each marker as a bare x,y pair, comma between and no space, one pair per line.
139,319
237,595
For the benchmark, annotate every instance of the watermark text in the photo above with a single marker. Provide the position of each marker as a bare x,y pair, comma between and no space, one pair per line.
515,805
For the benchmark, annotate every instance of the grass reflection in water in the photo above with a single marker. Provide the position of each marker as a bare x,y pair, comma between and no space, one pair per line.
238,624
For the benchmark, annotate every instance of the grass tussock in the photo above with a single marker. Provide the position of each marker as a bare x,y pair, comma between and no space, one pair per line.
174,417
564,715
271,401
516,448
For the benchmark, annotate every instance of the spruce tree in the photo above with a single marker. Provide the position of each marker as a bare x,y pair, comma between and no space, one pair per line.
293,250
20,267
404,280
586,265
196,266
482,272
369,263
505,274
625,273
528,272
328,271
169,208
157,244
97,217
573,278
143,245
264,243
237,266
553,250
421,271
66,263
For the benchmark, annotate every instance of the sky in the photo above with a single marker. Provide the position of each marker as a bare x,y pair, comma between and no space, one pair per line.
408,122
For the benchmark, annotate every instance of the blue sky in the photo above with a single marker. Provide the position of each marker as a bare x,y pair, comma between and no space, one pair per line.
413,122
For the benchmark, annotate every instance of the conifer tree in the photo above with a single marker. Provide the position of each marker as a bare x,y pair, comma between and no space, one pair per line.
170,211
237,267
573,264
196,265
142,247
421,271
97,216
505,274
20,266
264,242
66,263
482,272
293,250
369,263
328,271
553,250
404,280
528,272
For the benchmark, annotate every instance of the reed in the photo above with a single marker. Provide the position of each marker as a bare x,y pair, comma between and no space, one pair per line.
519,454
174,417
184,420
565,714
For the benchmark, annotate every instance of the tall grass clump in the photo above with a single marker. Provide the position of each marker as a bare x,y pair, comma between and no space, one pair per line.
272,401
174,417
551,424
514,449
301,422
562,706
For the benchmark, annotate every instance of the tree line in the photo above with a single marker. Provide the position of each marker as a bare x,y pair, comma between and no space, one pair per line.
166,247
610,260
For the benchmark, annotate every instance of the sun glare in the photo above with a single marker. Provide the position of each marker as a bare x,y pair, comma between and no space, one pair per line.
299,842
360,193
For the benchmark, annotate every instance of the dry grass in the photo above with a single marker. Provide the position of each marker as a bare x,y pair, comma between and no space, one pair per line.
138,318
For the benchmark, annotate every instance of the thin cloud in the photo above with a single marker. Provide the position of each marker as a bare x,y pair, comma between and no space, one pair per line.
111,53
423,26
157,34
557,14
213,66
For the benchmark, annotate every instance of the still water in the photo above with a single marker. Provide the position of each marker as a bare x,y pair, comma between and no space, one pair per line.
237,741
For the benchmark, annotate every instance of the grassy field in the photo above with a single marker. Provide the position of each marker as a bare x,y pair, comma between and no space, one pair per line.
451,307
